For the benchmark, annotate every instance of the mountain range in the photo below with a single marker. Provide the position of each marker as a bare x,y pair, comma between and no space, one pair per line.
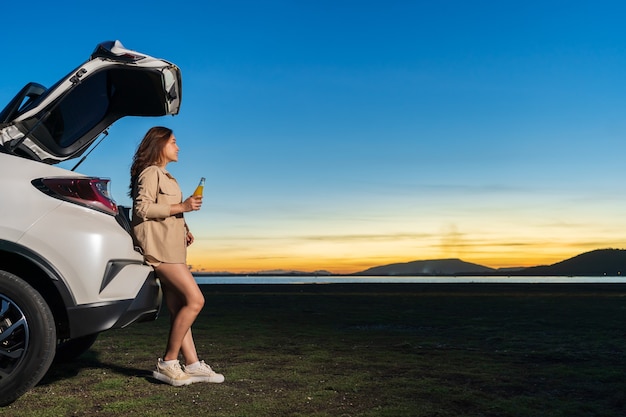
600,262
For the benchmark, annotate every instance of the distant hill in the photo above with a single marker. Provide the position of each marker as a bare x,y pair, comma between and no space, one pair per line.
600,262
277,272
429,267
271,272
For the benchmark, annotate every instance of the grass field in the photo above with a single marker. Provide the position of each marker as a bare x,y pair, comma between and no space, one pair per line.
365,350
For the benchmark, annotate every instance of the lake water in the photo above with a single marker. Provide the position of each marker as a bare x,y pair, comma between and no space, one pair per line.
281,279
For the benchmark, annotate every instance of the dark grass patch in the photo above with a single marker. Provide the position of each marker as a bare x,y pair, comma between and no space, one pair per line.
365,350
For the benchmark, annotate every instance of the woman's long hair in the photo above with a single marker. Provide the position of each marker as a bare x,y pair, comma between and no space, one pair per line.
149,152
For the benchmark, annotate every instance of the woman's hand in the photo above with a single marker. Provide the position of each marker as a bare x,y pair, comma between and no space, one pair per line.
192,203
190,238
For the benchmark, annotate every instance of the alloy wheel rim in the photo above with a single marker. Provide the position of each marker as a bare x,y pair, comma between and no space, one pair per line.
14,336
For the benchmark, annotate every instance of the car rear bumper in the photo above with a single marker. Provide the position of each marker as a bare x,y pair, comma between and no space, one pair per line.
97,317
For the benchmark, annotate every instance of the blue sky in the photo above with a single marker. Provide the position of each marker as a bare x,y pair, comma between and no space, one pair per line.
344,135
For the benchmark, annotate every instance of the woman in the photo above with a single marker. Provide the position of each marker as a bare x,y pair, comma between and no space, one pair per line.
161,232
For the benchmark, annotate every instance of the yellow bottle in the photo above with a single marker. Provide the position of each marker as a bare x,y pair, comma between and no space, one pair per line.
199,188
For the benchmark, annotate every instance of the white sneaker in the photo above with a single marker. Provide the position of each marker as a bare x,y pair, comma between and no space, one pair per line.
203,373
171,374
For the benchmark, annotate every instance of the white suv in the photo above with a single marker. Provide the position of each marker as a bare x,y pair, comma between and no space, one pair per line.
68,268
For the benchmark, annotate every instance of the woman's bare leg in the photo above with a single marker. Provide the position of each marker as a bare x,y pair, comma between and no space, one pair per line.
188,349
184,301
174,303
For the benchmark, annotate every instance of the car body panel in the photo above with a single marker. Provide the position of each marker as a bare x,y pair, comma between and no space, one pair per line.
23,205
84,253
77,240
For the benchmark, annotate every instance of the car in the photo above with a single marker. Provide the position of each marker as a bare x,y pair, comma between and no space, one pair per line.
68,267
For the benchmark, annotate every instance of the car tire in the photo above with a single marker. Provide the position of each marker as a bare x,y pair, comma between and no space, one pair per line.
27,337
73,348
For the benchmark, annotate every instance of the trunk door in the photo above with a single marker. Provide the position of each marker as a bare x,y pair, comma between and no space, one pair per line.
60,123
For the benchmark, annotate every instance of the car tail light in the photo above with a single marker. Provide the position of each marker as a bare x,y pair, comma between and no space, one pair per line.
85,191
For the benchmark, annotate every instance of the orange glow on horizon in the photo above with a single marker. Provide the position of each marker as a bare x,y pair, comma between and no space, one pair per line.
509,258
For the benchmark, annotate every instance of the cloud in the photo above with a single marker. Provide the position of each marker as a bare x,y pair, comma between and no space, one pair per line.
451,242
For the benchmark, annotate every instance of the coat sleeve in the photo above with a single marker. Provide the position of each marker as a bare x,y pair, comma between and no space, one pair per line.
146,205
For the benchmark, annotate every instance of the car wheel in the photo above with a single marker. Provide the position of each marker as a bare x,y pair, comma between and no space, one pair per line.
73,348
27,337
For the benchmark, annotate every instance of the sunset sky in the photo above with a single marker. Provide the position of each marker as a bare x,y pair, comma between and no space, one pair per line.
341,135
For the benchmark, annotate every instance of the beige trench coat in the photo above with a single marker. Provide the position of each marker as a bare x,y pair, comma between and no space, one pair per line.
162,237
